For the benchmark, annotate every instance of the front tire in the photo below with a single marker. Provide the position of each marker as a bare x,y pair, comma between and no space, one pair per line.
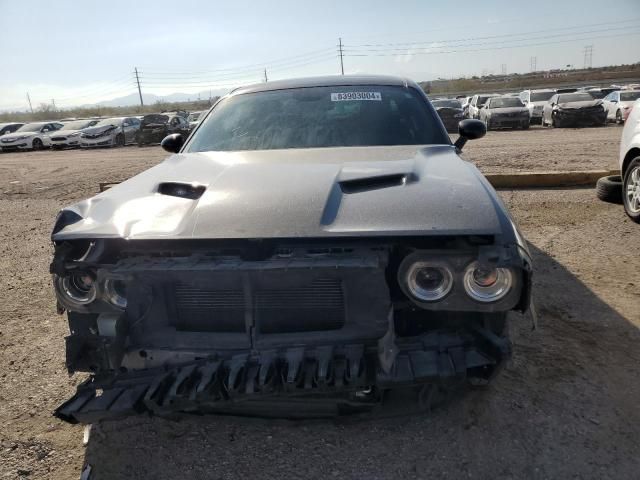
120,140
37,144
631,190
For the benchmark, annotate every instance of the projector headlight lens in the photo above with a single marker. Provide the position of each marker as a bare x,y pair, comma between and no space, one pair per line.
429,282
77,288
485,283
115,292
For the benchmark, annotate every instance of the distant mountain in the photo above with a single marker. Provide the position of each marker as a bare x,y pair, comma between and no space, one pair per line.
150,98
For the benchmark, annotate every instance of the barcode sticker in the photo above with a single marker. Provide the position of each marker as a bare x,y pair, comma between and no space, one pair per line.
341,97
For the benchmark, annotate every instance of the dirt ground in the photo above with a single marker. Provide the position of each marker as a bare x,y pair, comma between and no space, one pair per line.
566,406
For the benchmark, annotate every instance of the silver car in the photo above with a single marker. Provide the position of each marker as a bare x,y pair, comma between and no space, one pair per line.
111,132
534,101
69,135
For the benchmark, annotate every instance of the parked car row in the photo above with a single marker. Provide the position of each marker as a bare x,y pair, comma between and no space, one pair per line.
564,107
95,132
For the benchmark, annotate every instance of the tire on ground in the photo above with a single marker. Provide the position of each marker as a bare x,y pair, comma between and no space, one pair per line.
609,189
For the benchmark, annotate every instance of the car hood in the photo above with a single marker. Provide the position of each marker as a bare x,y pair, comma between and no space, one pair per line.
97,130
508,110
579,105
19,134
293,193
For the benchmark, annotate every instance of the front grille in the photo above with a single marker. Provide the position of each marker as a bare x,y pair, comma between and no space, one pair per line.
58,139
319,305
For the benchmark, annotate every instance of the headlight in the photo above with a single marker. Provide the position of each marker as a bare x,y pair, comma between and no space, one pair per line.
76,289
428,281
115,292
486,283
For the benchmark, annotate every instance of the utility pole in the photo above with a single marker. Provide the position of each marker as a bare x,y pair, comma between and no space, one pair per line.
29,100
503,68
53,103
139,91
588,56
266,79
341,55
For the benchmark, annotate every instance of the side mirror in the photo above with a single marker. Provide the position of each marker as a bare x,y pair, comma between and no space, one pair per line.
172,143
469,129
45,130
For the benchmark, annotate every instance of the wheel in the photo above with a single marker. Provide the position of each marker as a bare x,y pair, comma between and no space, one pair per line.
120,140
619,119
37,144
554,124
631,190
609,189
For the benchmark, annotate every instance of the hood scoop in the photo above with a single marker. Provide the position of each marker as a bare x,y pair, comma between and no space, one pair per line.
358,185
181,190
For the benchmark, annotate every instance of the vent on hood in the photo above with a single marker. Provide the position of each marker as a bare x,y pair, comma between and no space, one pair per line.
182,190
358,185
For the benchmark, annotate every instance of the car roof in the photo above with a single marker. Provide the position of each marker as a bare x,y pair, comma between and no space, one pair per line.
326,81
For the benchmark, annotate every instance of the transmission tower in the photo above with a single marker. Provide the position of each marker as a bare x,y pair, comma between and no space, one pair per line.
588,56
534,63
503,68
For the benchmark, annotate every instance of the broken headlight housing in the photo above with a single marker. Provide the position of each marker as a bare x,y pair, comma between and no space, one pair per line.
429,281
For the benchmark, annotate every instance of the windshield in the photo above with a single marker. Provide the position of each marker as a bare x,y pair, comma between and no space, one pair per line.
574,97
194,116
483,99
77,125
446,103
31,127
109,121
317,117
541,96
629,96
505,102
155,118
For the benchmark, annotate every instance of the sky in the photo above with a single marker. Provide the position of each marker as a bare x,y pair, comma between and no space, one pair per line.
79,52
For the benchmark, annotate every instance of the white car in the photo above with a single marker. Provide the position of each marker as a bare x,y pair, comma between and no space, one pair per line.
476,103
630,163
617,104
534,101
111,132
69,135
31,136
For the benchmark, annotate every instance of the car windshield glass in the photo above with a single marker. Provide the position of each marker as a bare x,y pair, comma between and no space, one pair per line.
505,102
446,103
316,117
629,96
541,96
155,119
483,100
574,97
109,121
31,127
77,125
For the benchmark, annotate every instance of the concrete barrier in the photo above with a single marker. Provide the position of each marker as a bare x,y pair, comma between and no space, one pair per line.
586,178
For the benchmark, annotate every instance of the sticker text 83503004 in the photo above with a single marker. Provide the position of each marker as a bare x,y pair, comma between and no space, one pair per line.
341,97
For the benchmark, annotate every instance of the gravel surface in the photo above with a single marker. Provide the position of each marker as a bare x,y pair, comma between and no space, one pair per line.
566,406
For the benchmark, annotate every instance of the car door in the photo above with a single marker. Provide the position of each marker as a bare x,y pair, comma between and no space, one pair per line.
129,130
184,127
607,102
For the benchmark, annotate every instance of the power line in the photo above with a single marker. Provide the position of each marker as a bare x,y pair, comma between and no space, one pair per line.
488,49
520,34
358,49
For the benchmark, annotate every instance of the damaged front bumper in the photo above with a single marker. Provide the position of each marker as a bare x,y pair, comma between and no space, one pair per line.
320,381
